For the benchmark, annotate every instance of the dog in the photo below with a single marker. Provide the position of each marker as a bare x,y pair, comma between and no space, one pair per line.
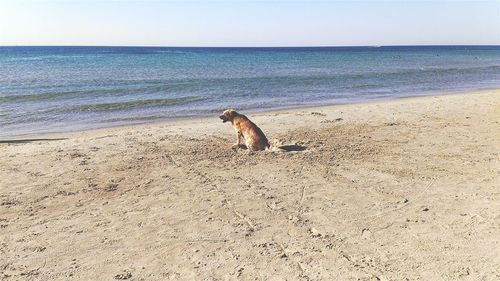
246,131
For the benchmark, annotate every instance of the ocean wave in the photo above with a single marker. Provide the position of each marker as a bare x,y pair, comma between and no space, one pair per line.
130,104
420,70
126,89
56,95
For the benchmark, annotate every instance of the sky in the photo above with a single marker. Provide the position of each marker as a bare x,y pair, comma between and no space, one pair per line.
249,22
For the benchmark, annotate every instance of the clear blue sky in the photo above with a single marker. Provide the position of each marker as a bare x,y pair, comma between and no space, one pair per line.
248,22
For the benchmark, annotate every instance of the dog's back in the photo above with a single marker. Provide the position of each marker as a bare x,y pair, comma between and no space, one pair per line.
255,139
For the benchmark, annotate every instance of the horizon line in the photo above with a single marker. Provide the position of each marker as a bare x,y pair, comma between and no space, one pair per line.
263,47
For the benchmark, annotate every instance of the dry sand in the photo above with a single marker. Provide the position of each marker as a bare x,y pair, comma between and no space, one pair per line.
392,190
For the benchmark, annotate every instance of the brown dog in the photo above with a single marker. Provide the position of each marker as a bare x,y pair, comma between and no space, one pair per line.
246,130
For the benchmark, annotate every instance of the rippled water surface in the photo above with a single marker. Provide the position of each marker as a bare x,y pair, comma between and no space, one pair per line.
54,89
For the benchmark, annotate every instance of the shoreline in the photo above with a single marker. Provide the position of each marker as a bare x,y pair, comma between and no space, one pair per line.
196,119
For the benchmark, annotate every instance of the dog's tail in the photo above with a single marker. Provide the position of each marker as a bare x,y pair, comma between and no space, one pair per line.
274,146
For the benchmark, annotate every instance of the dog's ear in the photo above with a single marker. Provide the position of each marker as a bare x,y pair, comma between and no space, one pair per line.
231,113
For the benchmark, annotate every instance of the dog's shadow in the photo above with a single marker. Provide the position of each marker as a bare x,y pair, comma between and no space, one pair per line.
292,147
282,148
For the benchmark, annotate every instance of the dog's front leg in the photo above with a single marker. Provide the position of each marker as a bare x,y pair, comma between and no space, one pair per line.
239,137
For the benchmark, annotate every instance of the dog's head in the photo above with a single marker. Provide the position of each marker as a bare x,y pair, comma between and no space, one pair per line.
228,115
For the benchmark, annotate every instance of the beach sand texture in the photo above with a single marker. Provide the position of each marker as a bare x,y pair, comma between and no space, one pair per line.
407,188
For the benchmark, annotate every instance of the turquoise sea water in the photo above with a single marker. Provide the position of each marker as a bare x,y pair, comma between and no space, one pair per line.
56,89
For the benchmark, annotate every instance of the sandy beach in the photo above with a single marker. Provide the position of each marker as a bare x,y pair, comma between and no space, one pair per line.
405,189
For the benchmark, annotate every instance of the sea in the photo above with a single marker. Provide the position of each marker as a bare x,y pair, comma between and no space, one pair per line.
61,89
